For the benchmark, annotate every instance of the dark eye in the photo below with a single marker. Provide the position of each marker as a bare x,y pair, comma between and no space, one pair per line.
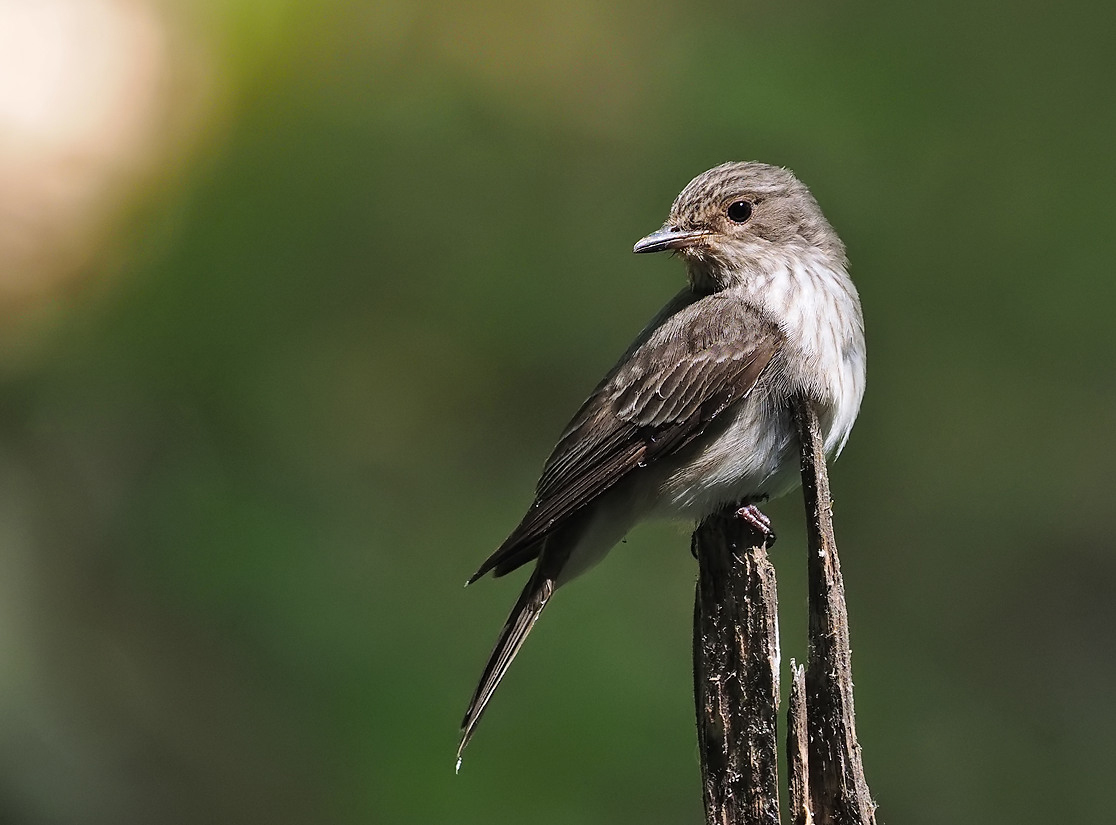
739,211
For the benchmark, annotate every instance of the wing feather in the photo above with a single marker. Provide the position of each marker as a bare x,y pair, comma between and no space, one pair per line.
684,371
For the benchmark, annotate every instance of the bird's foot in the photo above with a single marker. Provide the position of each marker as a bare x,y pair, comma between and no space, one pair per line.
751,515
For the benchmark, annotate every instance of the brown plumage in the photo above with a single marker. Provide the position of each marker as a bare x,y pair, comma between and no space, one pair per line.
695,414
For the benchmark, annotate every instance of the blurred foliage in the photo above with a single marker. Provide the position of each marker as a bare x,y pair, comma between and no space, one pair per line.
307,383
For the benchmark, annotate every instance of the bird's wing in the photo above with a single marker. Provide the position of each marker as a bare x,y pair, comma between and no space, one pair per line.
696,362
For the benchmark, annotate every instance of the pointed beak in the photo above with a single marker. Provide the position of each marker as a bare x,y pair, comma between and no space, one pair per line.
668,237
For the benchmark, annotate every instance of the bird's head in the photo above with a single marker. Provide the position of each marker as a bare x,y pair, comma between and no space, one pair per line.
740,219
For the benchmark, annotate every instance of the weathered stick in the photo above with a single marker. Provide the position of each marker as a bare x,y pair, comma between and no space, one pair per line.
797,737
736,673
838,792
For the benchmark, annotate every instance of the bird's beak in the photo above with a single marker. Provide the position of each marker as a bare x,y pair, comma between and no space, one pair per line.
669,237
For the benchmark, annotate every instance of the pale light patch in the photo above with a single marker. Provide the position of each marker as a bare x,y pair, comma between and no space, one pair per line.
92,95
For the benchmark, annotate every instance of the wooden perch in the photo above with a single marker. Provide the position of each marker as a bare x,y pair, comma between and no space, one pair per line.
797,749
736,671
838,792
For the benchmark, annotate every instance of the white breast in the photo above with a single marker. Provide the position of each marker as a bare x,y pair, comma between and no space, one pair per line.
756,454
818,309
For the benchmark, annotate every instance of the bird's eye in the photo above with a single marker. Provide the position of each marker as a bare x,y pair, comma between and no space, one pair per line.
739,211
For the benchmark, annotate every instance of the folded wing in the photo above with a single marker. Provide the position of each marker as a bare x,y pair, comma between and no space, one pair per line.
685,371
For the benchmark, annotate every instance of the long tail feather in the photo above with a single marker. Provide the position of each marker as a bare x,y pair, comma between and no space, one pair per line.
511,555
523,617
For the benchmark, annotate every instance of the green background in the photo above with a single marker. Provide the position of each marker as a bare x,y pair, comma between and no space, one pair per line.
244,480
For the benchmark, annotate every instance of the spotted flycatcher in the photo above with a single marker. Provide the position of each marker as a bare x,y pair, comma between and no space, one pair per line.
696,415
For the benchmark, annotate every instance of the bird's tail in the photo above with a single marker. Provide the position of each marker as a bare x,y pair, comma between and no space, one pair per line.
523,617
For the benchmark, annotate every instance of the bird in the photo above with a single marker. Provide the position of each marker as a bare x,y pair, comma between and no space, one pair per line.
696,414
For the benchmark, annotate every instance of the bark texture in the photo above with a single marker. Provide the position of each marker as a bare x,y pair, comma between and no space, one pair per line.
797,759
736,671
838,791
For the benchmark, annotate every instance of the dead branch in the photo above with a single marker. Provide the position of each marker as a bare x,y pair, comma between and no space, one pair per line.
736,671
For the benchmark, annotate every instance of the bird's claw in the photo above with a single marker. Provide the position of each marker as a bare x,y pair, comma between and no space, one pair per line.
751,515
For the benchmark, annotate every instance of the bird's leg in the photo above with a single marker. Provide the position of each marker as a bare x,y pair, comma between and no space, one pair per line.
751,515
754,518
